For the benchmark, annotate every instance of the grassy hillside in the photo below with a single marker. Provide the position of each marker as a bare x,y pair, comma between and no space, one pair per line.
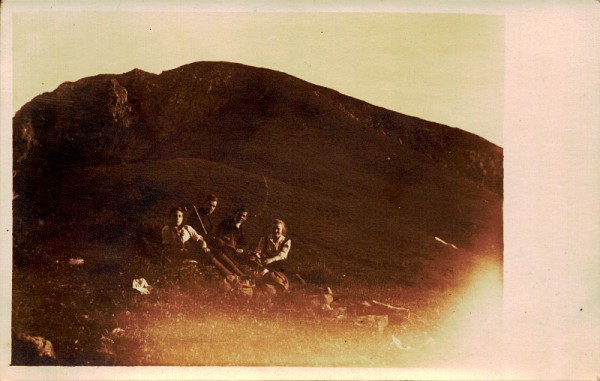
354,226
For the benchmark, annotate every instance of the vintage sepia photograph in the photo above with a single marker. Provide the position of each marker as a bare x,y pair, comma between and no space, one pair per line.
201,187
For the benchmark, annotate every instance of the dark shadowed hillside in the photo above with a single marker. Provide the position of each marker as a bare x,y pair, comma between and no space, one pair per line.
365,191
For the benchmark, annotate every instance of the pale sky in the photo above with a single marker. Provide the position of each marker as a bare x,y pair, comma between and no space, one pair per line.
446,68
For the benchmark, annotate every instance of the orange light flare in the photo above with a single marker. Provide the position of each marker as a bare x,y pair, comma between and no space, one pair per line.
469,332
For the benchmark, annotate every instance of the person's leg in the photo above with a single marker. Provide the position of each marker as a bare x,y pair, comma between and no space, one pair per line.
210,259
220,266
230,264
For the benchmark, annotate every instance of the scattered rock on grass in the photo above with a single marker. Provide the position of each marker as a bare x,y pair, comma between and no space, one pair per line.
35,348
106,349
241,286
244,287
269,289
225,285
118,331
142,286
321,301
373,321
398,343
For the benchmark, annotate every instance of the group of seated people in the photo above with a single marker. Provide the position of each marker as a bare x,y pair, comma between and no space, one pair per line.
224,246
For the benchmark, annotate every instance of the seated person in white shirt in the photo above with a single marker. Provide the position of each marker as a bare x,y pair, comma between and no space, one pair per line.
275,247
176,239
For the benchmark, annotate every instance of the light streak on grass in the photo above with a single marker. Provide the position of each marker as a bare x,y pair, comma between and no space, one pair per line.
206,327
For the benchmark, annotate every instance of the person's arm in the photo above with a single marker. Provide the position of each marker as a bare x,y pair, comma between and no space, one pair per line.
282,254
198,238
240,242
222,236
261,246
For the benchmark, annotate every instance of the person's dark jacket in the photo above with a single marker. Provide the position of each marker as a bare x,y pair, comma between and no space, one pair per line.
228,236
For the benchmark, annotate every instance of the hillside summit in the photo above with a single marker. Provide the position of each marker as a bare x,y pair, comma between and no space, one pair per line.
139,116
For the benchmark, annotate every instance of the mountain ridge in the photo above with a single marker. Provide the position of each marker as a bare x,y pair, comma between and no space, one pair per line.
258,90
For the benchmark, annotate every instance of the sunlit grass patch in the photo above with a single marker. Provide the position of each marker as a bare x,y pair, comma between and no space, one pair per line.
203,326
267,339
